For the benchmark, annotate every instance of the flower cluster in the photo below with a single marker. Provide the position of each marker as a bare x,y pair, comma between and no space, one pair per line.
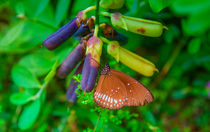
86,56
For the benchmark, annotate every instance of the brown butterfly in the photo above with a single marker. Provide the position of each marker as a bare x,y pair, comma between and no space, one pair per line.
116,89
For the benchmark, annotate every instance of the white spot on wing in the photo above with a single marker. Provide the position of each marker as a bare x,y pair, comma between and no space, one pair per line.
104,96
115,100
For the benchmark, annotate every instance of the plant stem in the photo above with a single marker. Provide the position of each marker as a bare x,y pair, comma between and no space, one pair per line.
97,19
90,8
107,14
105,40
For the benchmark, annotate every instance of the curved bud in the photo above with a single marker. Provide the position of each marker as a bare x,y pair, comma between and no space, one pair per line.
91,64
111,4
137,25
65,32
84,29
135,62
71,61
112,34
71,92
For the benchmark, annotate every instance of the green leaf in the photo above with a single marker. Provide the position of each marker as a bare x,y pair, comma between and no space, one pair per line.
32,35
12,34
20,98
197,24
19,8
190,6
194,45
37,64
52,73
42,5
61,10
158,5
24,78
29,114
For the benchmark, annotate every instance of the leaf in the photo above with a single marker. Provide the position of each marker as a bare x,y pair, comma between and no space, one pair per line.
61,10
19,8
52,73
20,98
158,5
12,34
42,5
194,46
37,64
23,77
29,114
190,6
197,24
32,35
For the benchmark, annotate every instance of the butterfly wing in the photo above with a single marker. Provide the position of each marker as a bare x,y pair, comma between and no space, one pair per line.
110,92
137,94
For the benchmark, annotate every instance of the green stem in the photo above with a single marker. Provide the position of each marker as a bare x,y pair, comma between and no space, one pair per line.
38,94
89,9
97,19
105,40
107,14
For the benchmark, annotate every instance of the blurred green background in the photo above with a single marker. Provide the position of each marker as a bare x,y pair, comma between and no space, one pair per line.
182,55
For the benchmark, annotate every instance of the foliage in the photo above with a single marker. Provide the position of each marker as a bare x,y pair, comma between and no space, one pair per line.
32,99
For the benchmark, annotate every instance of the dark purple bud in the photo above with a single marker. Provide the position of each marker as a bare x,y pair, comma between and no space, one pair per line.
82,31
89,73
61,35
112,34
85,29
71,61
71,93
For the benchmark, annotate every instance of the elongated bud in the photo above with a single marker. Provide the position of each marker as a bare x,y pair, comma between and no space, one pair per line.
91,64
84,29
71,93
71,61
65,32
137,25
112,34
111,4
131,60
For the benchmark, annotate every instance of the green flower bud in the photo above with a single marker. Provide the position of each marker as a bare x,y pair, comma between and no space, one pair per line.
111,4
137,25
135,62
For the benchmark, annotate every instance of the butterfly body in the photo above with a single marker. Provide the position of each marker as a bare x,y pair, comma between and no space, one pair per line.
115,89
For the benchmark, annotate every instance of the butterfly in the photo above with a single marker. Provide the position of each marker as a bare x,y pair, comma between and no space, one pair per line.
116,89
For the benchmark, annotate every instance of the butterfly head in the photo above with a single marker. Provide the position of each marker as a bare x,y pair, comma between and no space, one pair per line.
105,70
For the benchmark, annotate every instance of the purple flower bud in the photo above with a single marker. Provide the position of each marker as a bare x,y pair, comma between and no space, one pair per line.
112,34
61,35
85,29
71,61
71,93
82,31
89,73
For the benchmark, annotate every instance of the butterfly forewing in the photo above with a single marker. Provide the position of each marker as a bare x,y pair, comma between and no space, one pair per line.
137,94
110,92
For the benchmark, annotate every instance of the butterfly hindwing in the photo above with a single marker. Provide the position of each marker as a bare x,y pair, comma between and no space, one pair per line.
110,92
137,94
